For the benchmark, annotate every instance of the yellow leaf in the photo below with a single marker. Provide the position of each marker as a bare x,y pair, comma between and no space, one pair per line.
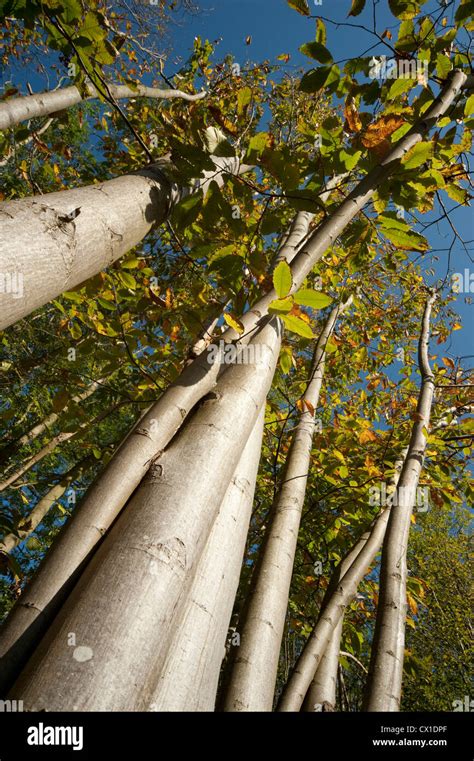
234,323
366,435
351,114
376,134
412,604
448,362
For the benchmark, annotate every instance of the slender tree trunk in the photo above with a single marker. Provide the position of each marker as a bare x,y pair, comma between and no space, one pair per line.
357,561
341,590
189,679
16,110
105,499
43,506
60,438
27,438
34,134
327,232
53,250
52,243
252,681
321,695
124,627
384,683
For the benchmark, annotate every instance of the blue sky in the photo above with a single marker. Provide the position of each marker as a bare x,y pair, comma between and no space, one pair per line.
274,29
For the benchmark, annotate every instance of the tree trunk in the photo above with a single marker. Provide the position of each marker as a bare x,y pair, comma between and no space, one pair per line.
22,441
321,695
123,628
53,242
189,679
384,683
105,499
25,107
51,446
43,506
330,228
252,680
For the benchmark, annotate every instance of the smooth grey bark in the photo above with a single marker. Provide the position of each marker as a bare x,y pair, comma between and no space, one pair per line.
358,560
124,606
16,110
322,692
384,683
190,675
56,241
105,499
252,680
43,506
341,589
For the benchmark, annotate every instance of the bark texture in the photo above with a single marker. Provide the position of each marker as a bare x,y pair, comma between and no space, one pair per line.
253,676
57,240
322,691
123,629
384,683
20,109
190,675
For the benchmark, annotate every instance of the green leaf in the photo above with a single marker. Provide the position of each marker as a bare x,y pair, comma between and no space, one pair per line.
128,280
316,79
356,8
244,97
465,10
400,86
280,306
469,107
349,160
78,298
406,240
443,65
298,326
257,145
187,210
404,9
130,264
301,6
320,31
316,51
286,360
75,330
282,280
417,155
34,544
309,298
